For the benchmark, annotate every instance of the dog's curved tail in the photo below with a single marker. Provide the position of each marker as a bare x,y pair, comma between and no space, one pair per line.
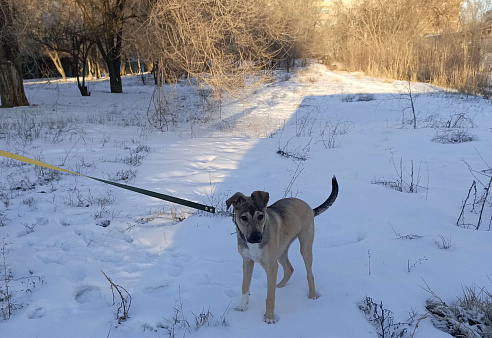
333,196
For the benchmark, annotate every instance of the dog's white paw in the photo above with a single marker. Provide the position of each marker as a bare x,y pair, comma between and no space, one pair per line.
270,320
243,306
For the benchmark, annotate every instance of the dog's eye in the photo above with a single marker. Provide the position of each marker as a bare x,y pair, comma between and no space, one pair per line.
244,218
260,217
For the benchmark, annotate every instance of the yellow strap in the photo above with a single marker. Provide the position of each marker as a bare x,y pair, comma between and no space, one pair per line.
31,161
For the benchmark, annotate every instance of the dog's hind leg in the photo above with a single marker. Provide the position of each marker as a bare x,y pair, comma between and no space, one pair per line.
306,243
287,267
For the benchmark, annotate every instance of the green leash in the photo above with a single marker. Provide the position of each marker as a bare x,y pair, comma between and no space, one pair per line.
172,199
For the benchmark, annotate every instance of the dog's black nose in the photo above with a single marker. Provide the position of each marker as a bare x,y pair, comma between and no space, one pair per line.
255,237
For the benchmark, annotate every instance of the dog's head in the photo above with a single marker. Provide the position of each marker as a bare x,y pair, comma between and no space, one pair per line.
250,214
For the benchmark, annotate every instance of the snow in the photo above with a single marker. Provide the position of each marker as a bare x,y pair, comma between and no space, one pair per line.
60,233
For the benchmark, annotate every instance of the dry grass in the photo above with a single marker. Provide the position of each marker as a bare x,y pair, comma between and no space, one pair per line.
392,39
360,75
307,76
469,316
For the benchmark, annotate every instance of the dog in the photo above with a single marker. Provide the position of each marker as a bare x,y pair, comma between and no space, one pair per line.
264,235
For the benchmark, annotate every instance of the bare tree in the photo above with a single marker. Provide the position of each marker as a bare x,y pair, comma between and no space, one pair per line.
224,44
302,23
44,20
61,28
11,82
106,19
81,48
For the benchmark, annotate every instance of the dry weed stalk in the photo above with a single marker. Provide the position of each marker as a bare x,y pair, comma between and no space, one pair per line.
125,297
480,202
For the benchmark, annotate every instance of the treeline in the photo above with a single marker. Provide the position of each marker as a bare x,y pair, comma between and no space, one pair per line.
218,42
226,44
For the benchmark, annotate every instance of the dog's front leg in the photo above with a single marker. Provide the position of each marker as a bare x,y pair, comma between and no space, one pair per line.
248,266
271,271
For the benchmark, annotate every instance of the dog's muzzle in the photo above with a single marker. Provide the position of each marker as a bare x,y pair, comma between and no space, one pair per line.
255,237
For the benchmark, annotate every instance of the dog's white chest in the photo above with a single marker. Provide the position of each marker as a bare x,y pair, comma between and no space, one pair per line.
253,252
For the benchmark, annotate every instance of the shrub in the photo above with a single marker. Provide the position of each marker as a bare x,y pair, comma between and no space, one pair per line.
382,319
451,136
469,316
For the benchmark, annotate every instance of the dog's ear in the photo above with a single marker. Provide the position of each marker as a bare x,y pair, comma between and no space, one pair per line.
260,198
236,199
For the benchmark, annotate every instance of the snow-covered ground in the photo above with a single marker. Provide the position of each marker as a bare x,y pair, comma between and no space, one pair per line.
58,232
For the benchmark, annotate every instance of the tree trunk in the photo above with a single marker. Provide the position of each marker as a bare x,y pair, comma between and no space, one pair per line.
11,86
53,54
98,70
123,65
113,62
90,70
93,60
114,74
11,83
113,40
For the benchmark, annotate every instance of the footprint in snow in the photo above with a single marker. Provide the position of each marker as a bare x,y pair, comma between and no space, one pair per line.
175,271
90,297
38,312
346,237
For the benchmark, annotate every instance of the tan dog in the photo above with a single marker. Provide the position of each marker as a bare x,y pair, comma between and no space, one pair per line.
265,234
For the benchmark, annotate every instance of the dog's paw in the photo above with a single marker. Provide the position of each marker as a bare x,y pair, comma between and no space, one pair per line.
270,320
281,284
241,307
314,295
